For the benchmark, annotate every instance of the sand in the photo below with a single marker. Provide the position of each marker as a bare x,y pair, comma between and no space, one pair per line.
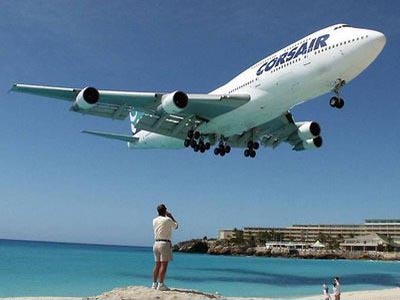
145,293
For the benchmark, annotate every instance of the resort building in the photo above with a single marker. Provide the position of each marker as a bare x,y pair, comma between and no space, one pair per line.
390,228
370,242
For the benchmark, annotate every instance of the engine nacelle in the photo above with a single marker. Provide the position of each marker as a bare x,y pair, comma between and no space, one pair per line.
174,102
313,143
308,130
87,98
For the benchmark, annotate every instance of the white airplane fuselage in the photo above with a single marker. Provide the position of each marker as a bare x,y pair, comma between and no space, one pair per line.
306,69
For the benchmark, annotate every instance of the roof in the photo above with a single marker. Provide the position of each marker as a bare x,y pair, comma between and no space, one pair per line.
371,240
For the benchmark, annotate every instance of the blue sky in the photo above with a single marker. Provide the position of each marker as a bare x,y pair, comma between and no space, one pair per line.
58,184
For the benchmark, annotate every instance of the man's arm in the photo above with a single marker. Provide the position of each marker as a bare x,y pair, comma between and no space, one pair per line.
169,215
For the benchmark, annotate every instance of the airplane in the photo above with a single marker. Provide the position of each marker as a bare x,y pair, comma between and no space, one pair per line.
251,110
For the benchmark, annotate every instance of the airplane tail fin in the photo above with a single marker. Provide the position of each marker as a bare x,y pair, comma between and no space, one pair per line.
135,117
113,136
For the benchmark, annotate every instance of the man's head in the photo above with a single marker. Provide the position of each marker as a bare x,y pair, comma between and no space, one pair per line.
162,210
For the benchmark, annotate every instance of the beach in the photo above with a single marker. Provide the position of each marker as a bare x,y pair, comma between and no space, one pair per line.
141,293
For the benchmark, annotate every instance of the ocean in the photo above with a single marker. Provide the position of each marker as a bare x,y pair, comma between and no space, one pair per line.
59,269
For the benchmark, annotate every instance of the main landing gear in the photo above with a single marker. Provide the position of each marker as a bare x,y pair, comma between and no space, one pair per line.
196,141
336,101
223,148
251,149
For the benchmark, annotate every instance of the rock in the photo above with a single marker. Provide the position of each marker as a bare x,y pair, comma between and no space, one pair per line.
192,246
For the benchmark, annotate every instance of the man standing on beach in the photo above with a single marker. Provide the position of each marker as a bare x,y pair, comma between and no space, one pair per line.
162,249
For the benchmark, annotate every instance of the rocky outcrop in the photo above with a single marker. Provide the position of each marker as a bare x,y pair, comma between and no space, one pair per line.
192,246
219,247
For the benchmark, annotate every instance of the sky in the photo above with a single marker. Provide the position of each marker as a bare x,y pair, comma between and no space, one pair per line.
57,184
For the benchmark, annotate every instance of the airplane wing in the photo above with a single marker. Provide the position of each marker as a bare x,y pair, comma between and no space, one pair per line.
283,129
118,104
300,135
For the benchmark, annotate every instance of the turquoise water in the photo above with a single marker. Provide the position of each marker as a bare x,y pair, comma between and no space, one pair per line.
55,269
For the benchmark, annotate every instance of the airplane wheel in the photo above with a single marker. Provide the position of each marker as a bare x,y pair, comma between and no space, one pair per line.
186,143
222,153
246,153
208,146
202,149
201,144
196,135
334,101
256,145
196,148
216,151
227,149
252,153
193,143
340,103
190,133
250,144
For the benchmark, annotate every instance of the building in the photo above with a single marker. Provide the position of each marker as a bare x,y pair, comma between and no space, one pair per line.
323,232
369,242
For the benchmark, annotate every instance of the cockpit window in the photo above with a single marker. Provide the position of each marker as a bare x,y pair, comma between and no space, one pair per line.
341,26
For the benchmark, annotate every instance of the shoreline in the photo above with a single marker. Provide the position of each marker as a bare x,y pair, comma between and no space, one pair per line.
224,248
141,292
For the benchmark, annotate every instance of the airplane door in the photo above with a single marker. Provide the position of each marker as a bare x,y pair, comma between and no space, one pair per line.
307,59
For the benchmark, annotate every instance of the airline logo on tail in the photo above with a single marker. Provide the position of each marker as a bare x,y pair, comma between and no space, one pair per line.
306,47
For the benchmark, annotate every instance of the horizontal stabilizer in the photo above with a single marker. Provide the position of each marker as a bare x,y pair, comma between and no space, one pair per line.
113,136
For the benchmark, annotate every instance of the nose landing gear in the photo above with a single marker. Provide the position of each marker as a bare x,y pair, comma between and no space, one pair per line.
336,101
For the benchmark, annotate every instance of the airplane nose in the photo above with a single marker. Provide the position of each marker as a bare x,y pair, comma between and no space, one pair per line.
378,40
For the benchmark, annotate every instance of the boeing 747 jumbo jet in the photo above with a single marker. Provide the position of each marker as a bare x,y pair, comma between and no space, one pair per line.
252,109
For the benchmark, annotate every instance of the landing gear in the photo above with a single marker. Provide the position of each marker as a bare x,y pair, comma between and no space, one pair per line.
251,149
196,141
336,101
223,148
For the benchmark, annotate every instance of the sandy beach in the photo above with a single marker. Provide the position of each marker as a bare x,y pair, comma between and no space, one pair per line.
145,293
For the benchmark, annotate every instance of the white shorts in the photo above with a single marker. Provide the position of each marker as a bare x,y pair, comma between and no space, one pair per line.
162,251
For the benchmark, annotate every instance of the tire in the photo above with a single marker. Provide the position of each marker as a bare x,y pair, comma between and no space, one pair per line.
208,146
340,103
333,102
256,145
252,153
227,149
186,143
250,144
216,151
246,153
193,143
196,135
190,134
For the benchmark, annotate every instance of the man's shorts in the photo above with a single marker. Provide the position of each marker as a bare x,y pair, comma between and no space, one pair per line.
162,251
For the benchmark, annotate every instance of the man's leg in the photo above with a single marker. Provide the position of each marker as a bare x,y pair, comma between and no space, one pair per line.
156,271
163,270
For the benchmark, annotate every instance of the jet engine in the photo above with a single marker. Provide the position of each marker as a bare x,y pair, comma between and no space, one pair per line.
87,98
312,143
308,130
174,102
